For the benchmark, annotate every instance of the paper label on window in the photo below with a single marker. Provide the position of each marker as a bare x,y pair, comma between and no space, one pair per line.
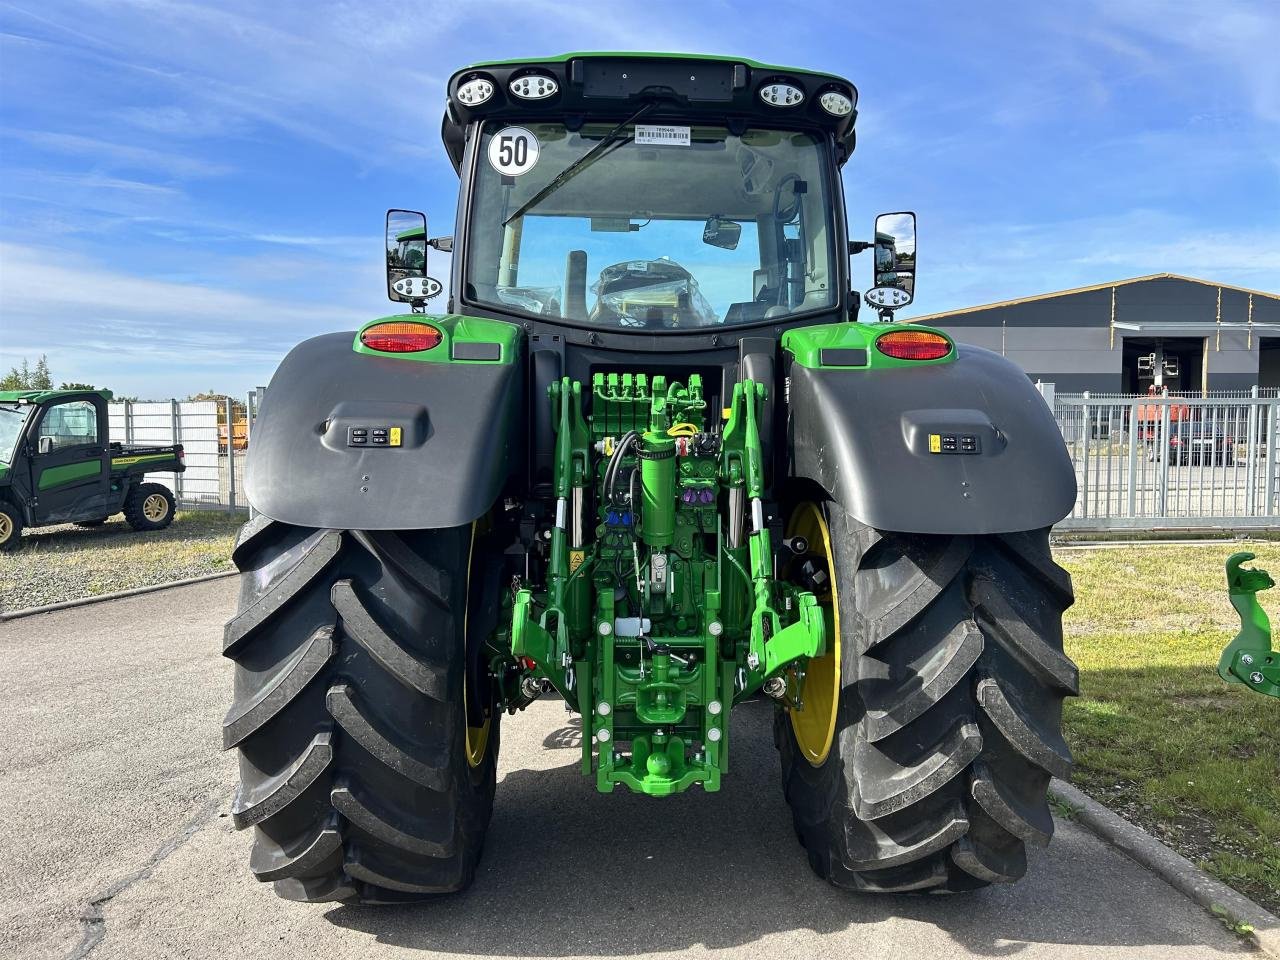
647,133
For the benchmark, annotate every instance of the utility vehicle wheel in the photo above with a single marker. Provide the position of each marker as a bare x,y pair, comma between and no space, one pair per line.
10,527
922,752
365,732
149,506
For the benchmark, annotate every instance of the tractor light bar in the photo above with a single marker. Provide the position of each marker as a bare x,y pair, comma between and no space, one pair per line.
913,345
534,86
781,95
836,103
475,91
400,337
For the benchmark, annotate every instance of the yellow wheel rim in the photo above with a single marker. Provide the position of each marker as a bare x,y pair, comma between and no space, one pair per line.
814,724
477,737
6,528
155,507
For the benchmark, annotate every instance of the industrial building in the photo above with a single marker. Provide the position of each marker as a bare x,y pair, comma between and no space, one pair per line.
1178,333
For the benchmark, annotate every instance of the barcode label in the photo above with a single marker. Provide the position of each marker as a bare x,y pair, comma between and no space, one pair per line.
667,136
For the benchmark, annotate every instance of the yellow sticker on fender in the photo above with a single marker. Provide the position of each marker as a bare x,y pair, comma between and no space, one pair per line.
393,437
935,443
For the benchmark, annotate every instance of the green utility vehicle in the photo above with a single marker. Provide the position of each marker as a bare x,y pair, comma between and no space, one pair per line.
57,465
648,460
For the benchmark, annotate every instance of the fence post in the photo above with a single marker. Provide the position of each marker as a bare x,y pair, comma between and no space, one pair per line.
231,454
1084,462
1162,498
1133,460
249,402
1269,470
175,431
128,421
1251,457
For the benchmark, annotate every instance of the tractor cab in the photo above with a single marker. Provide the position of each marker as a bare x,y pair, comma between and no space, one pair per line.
619,196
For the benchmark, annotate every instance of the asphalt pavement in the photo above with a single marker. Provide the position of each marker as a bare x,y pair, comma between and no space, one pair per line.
116,839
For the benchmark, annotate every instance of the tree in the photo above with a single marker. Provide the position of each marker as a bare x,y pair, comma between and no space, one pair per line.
77,386
24,378
41,379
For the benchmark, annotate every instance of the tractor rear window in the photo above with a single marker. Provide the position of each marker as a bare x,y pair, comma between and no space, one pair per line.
663,228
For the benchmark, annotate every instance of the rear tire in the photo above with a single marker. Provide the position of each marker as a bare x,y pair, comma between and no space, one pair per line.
948,726
149,506
350,713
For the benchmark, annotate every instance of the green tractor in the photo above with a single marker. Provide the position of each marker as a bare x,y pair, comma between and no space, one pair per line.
648,460
57,465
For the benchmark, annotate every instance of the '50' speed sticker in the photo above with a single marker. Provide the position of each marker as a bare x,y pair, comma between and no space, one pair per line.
513,151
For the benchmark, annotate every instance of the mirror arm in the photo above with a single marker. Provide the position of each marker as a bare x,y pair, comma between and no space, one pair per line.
443,244
857,246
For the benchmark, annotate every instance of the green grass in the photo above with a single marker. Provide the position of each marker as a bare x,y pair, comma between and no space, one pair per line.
69,563
1156,734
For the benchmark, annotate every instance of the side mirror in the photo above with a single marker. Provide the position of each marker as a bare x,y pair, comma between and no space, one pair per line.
44,445
407,257
895,261
724,234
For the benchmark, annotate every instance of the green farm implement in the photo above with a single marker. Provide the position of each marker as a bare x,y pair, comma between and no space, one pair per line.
57,465
649,460
1249,659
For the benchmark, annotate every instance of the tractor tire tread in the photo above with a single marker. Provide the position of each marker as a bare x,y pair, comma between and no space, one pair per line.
347,714
949,724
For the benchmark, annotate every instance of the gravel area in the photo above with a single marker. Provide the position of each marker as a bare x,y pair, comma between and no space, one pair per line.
69,563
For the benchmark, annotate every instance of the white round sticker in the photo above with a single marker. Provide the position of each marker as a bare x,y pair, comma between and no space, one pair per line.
513,151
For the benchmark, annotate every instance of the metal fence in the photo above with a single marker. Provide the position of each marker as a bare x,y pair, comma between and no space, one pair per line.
1194,463
209,432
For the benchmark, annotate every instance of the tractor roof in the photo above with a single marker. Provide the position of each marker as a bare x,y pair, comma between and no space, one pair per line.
36,397
613,85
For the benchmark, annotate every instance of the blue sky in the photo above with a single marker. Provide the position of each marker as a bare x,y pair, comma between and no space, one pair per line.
187,188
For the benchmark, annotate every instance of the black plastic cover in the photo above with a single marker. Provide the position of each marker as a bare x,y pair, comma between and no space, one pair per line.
864,436
459,430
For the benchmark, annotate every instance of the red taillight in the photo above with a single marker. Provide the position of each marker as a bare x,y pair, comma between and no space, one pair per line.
913,345
400,337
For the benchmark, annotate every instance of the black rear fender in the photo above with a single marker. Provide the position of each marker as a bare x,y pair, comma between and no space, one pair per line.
461,433
879,442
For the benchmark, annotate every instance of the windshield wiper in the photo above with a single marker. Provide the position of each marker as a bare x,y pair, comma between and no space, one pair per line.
573,169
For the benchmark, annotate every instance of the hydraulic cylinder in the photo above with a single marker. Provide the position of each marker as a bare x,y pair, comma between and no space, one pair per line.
658,489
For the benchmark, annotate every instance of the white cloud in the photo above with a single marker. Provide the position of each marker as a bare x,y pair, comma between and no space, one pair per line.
107,153
142,335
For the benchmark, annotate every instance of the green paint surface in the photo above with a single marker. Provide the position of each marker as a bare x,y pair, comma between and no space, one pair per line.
57,476
805,344
455,329
36,397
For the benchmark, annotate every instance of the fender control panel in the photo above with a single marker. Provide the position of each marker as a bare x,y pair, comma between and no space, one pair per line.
374,436
958,443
